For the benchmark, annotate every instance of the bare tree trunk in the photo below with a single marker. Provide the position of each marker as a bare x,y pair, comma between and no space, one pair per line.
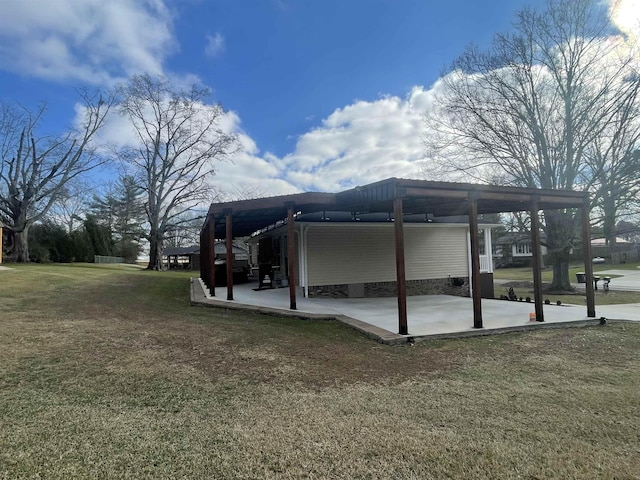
609,209
21,246
560,228
155,252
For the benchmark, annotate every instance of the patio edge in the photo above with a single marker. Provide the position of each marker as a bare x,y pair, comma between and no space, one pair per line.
199,298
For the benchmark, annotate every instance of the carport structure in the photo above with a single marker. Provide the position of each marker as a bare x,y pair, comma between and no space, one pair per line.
398,197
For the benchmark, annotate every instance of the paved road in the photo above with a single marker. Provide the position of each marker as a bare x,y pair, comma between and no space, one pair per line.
628,281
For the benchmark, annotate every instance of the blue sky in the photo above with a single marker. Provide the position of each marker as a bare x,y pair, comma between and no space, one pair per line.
324,94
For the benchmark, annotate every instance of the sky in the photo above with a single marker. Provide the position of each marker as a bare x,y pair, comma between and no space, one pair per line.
324,95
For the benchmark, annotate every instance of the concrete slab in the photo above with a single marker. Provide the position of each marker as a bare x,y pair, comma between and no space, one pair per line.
429,316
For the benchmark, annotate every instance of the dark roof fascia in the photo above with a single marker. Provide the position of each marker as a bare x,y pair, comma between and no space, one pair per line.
419,197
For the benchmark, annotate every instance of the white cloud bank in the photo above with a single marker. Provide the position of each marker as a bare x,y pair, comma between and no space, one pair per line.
360,143
92,41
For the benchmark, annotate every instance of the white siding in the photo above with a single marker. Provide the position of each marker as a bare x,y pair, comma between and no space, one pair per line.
344,254
435,252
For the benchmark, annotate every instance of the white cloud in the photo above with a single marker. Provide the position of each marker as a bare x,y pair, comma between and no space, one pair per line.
360,143
215,45
93,41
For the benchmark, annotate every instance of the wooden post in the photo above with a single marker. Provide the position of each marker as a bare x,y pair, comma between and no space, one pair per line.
291,264
475,260
588,265
1,244
229,244
400,271
537,261
203,243
211,255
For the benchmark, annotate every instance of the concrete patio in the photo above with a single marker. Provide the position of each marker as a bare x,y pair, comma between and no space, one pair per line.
429,316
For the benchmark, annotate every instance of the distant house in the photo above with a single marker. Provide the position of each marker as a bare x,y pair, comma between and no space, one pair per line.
514,249
602,242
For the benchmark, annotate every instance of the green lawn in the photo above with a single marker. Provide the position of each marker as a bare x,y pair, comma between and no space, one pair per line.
108,372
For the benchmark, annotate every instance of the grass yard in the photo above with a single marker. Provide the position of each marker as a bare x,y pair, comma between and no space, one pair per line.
107,372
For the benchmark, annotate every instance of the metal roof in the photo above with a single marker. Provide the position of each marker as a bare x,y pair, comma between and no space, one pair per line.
420,197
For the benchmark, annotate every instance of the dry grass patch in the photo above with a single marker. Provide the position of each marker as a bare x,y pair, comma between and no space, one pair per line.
108,372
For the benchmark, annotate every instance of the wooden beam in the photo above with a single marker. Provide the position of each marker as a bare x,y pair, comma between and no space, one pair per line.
537,261
475,260
291,263
400,270
203,242
211,256
588,262
229,244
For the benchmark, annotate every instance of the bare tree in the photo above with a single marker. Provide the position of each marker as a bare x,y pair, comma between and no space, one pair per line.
614,161
530,108
34,171
71,205
180,137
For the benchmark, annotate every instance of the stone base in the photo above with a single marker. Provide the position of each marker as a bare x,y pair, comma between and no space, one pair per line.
433,286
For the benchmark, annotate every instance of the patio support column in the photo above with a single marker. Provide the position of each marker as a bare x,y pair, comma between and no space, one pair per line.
537,261
475,260
400,271
291,261
211,255
203,243
229,243
586,254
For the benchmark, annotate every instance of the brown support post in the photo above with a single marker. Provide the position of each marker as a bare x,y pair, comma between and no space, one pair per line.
291,264
203,242
475,260
537,261
211,255
400,271
229,244
588,265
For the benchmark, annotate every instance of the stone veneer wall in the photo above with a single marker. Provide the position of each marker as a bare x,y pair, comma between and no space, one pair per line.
435,286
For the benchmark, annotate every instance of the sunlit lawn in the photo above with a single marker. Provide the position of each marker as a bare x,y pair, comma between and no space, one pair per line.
107,372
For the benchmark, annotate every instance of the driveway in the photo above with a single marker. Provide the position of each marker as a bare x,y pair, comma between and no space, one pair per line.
628,281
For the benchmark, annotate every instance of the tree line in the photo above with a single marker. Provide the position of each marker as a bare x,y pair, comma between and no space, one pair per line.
167,170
